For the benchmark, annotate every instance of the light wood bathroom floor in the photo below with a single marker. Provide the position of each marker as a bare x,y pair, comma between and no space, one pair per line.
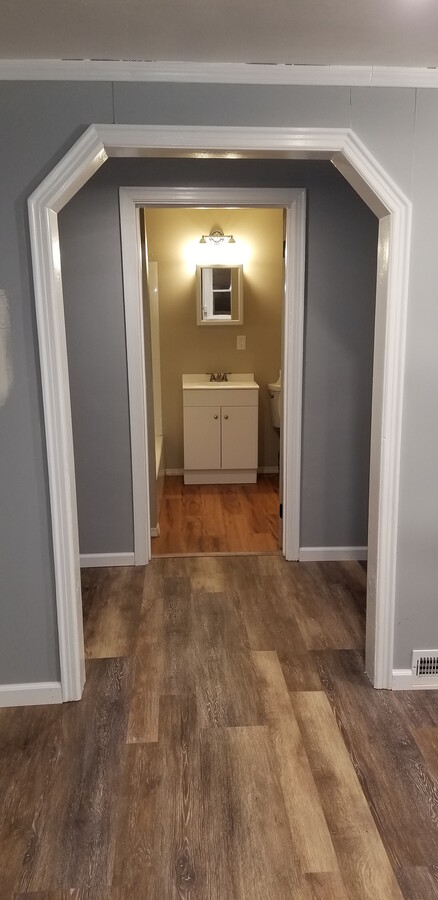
218,518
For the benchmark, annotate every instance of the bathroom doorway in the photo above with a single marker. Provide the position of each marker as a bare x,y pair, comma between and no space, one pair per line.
144,473
214,510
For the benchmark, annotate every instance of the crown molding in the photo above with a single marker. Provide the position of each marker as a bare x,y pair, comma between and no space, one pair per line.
216,73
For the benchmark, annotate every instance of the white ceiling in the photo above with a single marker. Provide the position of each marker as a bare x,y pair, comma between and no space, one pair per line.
312,32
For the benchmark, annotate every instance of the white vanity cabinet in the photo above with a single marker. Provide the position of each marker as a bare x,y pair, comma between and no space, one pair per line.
220,430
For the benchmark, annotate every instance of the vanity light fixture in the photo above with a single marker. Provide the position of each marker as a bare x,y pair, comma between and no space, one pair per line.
216,236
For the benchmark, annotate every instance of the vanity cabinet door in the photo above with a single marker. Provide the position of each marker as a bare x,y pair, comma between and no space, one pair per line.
202,437
239,437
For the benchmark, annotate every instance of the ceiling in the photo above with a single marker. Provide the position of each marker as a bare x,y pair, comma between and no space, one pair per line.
312,32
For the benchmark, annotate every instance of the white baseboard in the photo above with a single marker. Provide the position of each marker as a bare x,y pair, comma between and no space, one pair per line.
97,560
332,554
174,471
403,680
38,693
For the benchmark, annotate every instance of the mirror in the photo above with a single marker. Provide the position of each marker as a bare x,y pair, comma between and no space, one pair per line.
219,295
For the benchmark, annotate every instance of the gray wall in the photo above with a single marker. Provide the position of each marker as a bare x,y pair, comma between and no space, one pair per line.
338,368
342,244
95,330
40,121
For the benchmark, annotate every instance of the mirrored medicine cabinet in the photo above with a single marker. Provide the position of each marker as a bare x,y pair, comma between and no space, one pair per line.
219,295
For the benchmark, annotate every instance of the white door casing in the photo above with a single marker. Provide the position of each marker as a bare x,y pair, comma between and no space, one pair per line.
378,189
293,200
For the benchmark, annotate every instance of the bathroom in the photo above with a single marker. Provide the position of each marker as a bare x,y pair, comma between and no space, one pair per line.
212,517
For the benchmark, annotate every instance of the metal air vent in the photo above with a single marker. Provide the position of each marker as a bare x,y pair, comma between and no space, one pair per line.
425,666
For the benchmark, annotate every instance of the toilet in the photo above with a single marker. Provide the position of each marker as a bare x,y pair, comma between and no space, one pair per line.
275,401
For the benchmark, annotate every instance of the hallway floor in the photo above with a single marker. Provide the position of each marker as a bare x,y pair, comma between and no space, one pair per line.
218,518
228,747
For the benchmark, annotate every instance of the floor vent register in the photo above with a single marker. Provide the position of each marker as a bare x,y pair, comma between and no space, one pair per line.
425,666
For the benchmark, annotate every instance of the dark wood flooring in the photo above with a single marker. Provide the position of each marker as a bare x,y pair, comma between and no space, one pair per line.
228,747
218,518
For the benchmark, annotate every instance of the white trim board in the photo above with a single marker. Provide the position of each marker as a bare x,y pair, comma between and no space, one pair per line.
334,554
100,560
403,680
39,693
216,73
373,184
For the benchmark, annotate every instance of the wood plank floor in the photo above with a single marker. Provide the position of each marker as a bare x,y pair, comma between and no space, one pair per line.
218,518
228,747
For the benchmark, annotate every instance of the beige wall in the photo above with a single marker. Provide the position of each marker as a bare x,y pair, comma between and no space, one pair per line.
173,241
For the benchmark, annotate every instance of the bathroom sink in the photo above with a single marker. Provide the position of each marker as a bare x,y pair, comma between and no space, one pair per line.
202,381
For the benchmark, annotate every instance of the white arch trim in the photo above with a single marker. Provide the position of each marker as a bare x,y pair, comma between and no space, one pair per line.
394,210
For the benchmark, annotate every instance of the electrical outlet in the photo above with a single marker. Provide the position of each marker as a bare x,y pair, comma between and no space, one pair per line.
241,342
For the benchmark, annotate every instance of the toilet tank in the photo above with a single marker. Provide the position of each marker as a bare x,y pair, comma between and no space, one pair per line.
274,401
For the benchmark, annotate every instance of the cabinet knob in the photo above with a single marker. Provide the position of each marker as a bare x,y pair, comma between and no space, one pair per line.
225,417
216,417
